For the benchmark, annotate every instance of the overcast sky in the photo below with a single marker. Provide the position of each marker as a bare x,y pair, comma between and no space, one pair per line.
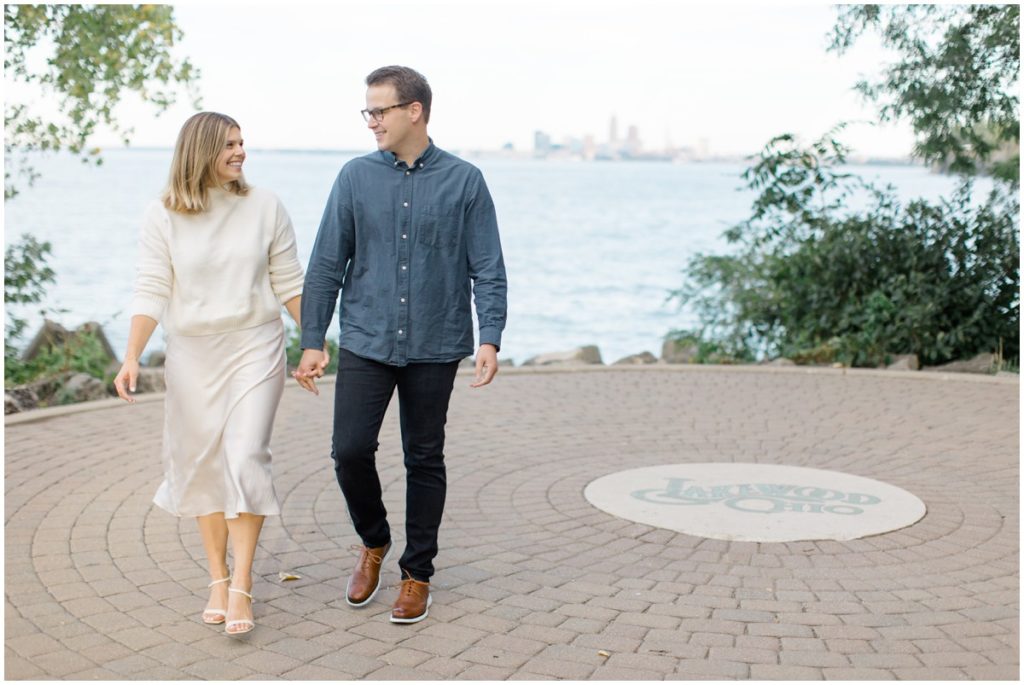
293,73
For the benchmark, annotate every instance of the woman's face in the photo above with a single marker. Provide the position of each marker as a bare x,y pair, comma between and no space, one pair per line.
229,161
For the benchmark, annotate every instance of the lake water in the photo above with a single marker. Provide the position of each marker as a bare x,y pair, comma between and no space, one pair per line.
591,249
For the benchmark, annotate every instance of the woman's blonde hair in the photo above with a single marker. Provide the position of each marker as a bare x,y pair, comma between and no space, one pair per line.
193,169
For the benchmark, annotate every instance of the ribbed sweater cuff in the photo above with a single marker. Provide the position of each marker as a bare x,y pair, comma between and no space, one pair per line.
151,307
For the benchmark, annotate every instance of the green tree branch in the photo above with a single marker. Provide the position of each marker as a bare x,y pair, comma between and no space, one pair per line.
955,80
94,54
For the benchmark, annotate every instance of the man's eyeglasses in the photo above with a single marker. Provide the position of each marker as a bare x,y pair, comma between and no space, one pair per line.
379,113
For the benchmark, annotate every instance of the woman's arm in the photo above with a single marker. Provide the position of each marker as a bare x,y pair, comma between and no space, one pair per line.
294,307
141,330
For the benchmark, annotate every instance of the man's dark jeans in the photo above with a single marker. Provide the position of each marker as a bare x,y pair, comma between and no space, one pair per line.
362,393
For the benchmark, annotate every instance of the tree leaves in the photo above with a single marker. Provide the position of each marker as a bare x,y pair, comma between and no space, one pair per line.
955,80
94,54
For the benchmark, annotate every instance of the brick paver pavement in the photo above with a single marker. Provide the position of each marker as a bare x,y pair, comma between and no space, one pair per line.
532,581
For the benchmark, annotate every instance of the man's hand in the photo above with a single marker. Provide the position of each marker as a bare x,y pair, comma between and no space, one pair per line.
486,365
311,367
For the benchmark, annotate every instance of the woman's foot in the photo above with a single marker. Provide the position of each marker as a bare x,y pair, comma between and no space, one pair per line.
216,608
239,614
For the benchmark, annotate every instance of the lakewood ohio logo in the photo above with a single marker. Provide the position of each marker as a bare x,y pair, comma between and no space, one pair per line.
760,498
755,502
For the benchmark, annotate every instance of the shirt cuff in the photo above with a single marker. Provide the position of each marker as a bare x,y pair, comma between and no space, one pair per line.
490,335
312,340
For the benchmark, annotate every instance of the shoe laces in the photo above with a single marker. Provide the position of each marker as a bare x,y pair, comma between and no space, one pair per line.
410,584
370,556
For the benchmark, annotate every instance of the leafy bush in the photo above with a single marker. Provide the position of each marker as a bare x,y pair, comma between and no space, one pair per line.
708,351
939,280
81,353
26,276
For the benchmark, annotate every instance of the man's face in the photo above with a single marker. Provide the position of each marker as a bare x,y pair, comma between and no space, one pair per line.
393,129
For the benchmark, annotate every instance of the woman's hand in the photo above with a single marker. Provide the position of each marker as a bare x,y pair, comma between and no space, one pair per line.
128,375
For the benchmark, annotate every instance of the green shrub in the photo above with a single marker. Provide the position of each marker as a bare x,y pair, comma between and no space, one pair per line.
26,276
940,280
709,351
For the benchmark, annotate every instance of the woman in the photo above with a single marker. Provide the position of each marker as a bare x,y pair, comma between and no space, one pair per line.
217,259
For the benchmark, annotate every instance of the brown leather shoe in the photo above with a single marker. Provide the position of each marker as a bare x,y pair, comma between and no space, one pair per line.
413,603
365,579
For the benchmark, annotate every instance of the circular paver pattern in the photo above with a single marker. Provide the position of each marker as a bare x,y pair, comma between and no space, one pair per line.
532,580
755,502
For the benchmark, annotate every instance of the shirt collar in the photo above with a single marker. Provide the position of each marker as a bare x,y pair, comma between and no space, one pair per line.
428,154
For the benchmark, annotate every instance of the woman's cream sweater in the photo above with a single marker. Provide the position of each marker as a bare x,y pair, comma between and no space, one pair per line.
228,268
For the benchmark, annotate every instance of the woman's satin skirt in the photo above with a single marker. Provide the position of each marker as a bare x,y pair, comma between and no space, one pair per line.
222,395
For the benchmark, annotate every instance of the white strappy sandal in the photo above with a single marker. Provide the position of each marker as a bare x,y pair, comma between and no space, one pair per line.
241,622
215,617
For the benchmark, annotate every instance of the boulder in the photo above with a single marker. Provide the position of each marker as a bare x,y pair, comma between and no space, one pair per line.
642,358
679,352
52,334
904,362
983,363
38,393
150,380
20,399
97,330
588,354
81,387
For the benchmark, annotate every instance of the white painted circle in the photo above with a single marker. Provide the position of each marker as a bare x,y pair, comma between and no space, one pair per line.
755,502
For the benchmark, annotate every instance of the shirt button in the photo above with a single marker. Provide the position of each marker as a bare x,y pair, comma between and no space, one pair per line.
405,204
399,331
403,236
407,173
421,165
403,267
401,299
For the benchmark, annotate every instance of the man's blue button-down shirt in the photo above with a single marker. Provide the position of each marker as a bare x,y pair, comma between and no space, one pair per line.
407,246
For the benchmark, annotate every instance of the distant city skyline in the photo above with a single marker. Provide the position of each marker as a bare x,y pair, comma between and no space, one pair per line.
633,147
708,78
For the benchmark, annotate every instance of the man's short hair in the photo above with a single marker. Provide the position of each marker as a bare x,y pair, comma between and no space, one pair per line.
410,85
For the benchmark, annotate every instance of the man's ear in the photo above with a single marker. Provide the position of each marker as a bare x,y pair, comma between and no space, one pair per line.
415,111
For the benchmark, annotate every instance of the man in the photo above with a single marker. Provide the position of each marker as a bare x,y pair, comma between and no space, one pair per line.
406,232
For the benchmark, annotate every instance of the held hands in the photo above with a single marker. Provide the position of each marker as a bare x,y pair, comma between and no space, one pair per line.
486,365
311,367
128,374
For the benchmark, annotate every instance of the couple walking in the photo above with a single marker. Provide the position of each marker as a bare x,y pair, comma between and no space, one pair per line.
408,236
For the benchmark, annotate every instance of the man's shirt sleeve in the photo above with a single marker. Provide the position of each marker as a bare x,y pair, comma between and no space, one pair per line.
486,264
332,251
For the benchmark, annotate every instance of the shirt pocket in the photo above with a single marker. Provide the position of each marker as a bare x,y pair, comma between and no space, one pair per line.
440,225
